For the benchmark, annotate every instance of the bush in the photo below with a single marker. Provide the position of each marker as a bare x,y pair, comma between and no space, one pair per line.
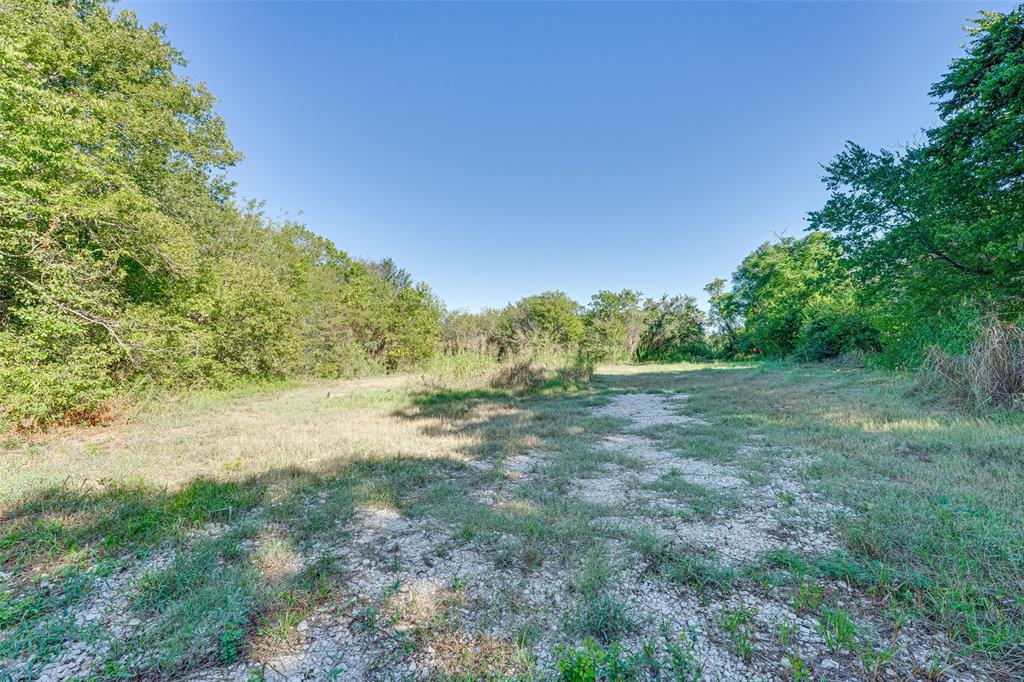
459,370
544,368
54,372
832,329
135,266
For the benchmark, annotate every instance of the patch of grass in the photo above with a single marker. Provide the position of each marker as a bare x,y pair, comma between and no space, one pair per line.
837,628
198,609
602,617
593,576
702,573
738,624
702,501
808,596
799,669
654,548
876,661
60,523
36,623
591,662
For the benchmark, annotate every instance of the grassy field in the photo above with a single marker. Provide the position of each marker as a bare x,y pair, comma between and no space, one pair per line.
762,521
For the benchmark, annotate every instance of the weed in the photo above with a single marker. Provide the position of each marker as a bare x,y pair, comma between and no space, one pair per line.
604,618
651,546
837,628
876,661
593,577
738,623
592,663
785,633
799,669
704,574
808,596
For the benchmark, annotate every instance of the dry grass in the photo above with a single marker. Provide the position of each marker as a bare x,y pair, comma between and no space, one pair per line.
311,428
990,374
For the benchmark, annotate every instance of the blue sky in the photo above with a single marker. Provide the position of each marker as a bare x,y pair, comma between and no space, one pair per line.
501,149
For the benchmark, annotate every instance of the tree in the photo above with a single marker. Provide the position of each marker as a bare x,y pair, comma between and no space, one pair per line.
123,257
614,324
674,330
939,222
547,318
774,285
394,275
106,153
472,332
723,317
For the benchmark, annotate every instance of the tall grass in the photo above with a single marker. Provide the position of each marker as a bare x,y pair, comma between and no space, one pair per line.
990,374
530,369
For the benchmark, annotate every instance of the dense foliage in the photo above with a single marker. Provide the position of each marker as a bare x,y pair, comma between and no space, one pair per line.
937,228
618,326
126,262
123,258
912,248
673,330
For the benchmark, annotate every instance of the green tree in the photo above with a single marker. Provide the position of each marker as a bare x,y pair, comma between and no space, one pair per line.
673,330
123,257
473,332
940,221
773,286
105,153
723,318
614,323
547,318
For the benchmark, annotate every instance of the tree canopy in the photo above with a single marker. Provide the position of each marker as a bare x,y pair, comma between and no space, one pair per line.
937,226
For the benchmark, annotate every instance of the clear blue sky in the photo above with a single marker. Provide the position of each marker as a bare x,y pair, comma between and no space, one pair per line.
501,149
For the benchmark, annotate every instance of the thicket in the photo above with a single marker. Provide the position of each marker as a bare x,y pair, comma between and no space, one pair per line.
124,259
615,326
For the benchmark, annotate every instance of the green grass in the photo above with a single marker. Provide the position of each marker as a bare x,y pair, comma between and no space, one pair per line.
701,502
837,628
935,494
738,624
591,662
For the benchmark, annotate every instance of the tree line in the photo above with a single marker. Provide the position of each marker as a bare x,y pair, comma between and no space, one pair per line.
619,326
127,263
917,254
125,260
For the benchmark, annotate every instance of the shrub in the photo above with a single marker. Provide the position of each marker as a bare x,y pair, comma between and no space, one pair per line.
674,331
135,266
544,367
831,329
53,372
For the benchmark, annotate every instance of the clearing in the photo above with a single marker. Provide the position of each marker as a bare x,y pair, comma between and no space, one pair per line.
676,522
